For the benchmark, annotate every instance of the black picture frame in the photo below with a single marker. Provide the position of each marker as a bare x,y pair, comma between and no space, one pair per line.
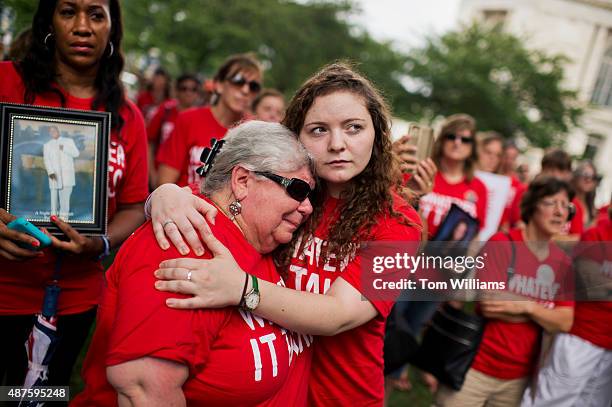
45,172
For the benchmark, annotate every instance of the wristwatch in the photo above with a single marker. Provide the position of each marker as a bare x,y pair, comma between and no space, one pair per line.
250,301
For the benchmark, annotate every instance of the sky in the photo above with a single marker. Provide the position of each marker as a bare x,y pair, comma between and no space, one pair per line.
405,22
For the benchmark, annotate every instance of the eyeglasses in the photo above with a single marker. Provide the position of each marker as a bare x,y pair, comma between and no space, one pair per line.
464,139
239,80
187,89
296,188
550,204
591,177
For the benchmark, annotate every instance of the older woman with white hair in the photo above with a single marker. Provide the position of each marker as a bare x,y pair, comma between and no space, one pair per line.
144,353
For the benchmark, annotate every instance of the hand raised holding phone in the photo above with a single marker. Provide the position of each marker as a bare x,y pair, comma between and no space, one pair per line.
414,151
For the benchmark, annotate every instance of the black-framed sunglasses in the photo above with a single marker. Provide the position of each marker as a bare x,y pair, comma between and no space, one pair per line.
464,139
239,80
591,177
296,188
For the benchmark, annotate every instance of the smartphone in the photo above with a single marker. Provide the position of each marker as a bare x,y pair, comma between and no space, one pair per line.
425,143
422,137
23,226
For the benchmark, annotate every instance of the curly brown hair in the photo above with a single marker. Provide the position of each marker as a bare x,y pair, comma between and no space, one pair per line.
370,193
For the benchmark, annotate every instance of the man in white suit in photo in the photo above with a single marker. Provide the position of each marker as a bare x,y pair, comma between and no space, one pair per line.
59,154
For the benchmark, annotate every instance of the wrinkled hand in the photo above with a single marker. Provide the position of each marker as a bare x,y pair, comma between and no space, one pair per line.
176,214
77,243
406,152
215,283
8,238
422,180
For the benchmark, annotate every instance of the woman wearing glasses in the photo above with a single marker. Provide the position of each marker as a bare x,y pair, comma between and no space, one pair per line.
454,153
237,82
538,298
344,123
146,354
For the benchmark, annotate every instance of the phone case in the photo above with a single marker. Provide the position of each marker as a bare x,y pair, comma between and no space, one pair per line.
23,226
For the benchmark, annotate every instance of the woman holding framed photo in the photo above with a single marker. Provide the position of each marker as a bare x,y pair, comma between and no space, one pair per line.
74,62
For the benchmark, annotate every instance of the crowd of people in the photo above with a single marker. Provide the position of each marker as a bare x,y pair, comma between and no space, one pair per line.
239,282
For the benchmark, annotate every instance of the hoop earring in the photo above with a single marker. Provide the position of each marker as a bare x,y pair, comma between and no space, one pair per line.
234,209
50,35
112,49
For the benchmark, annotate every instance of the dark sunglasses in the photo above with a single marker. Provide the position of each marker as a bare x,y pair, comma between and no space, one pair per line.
589,177
187,88
296,188
239,81
464,140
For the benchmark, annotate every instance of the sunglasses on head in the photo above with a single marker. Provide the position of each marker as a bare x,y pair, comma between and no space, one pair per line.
464,139
296,188
239,80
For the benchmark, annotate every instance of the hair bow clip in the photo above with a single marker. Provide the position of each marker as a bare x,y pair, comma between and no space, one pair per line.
208,156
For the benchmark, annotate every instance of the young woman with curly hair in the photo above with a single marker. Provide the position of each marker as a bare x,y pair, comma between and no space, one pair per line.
343,122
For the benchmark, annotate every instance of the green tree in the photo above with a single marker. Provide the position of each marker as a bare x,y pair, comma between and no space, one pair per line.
490,75
293,39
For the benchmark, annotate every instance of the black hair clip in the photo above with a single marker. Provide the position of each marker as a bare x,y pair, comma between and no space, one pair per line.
208,156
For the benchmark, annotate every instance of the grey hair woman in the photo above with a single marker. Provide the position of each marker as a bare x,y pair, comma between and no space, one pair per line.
261,180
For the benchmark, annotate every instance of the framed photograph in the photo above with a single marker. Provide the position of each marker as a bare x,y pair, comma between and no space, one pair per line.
54,161
457,226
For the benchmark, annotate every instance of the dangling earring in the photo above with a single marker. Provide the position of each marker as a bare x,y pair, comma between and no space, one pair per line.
234,209
112,49
50,35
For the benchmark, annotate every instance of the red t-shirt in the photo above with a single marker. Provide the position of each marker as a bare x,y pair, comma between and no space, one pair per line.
193,131
471,196
234,357
576,225
512,212
163,121
147,105
602,214
347,368
144,99
593,319
510,350
22,283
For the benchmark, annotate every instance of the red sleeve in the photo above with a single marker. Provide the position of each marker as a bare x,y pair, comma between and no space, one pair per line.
388,230
144,326
577,223
154,127
515,210
135,185
481,204
568,283
174,152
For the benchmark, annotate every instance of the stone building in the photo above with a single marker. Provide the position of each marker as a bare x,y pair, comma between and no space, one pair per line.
582,31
